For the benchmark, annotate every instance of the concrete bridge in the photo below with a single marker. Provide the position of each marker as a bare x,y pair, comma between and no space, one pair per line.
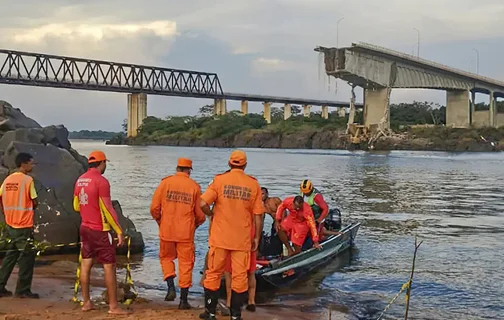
36,69
378,70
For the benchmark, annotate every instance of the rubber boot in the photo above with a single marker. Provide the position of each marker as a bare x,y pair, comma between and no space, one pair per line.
171,294
184,304
211,299
237,301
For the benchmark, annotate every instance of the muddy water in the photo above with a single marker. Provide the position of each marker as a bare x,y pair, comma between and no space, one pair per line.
453,202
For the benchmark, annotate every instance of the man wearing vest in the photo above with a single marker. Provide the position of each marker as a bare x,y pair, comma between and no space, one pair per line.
319,207
19,199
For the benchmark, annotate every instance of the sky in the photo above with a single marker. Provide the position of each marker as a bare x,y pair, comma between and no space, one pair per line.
255,46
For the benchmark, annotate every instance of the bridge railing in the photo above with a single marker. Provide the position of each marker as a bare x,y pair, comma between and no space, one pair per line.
25,68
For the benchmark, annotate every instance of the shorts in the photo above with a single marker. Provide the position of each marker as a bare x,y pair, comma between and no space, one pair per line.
97,244
296,230
252,267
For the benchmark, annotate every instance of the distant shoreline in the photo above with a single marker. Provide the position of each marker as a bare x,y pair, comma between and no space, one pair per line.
432,139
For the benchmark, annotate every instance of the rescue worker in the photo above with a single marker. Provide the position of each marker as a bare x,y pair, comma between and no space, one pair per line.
320,209
315,200
237,202
19,199
176,208
297,224
250,275
92,199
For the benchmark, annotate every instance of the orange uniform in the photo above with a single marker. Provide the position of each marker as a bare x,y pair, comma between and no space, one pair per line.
237,198
297,223
176,208
18,192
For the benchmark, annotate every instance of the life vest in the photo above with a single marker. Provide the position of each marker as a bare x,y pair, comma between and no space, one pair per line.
17,203
317,211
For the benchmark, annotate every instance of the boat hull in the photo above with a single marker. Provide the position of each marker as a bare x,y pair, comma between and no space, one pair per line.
286,272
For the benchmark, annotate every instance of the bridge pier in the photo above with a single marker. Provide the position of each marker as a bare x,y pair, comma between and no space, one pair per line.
220,107
267,112
325,112
307,110
341,112
287,111
376,106
457,108
244,107
137,112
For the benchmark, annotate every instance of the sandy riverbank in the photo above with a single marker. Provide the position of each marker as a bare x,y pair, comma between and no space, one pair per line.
54,282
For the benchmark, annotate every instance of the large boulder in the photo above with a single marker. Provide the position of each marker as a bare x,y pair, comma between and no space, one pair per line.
57,167
12,118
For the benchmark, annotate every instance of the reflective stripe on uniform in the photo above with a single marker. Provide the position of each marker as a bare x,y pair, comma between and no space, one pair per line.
19,206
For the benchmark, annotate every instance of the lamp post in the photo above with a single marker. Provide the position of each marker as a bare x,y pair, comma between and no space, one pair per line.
477,61
337,31
418,42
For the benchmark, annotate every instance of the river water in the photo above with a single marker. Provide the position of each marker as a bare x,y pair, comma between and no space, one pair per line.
453,202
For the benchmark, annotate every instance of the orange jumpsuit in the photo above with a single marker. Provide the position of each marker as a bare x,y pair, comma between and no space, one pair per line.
176,208
237,198
298,223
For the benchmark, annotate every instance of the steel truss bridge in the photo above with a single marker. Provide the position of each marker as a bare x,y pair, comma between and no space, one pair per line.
44,70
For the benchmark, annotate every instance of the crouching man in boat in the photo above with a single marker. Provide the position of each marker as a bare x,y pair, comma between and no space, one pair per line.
318,205
297,224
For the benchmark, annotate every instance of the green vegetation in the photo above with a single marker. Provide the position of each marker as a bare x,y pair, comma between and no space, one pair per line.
92,135
205,126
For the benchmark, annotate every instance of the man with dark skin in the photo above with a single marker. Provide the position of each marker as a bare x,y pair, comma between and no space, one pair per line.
19,199
297,224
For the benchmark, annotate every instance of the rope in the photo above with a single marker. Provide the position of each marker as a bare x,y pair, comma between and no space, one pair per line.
128,280
404,287
40,247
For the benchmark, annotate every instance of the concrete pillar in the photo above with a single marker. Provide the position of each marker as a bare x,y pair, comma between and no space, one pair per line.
473,107
137,112
287,111
220,107
325,112
306,110
457,108
492,109
376,106
341,112
244,107
267,111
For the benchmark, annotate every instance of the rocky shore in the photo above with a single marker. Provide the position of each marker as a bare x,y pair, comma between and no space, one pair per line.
431,139
57,167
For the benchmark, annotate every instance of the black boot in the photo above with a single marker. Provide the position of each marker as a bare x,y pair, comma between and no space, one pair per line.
171,294
237,301
184,305
211,299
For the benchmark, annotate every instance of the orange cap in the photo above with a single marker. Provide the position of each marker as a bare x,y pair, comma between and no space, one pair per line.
97,156
184,163
238,158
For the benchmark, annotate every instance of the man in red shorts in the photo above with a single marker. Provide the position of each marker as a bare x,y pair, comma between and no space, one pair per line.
251,278
92,199
297,224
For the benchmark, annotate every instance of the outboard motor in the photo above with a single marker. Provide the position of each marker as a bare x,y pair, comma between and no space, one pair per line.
333,220
270,245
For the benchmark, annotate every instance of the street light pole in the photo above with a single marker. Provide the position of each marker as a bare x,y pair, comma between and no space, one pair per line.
337,31
418,42
477,61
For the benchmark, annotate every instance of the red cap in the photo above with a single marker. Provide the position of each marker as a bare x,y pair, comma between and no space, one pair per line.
97,156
